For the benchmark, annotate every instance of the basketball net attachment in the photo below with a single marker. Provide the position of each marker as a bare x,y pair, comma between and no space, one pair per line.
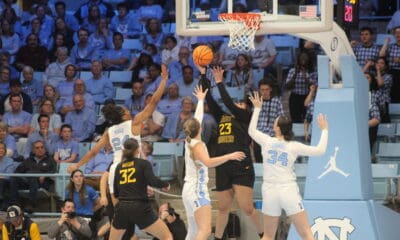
242,29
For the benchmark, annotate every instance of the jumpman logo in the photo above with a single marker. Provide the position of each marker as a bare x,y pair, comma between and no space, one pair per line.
323,228
331,166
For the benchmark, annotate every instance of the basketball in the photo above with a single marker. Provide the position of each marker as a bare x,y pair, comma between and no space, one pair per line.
203,55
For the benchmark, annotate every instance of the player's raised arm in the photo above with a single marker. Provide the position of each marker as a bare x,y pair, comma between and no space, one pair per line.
149,109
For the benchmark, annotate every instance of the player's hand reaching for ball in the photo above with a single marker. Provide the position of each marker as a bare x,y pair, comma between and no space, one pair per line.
218,73
164,71
322,121
199,93
256,99
237,156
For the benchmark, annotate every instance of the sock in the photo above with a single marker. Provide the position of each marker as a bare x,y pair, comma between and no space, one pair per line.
261,235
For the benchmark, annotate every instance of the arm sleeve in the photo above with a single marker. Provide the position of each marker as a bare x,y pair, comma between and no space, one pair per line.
306,150
198,114
239,113
54,229
150,178
85,228
215,109
258,136
35,232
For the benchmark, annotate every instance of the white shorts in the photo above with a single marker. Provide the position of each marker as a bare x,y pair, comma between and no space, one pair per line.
278,196
193,200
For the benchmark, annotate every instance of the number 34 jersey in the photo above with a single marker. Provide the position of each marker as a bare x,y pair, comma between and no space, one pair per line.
118,134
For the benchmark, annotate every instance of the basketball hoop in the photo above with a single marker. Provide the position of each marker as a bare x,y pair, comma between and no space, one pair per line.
242,29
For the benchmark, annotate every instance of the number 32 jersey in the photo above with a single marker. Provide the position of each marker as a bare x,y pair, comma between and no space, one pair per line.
118,134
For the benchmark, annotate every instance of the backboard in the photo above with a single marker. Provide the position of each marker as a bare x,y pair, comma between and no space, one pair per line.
194,18
312,21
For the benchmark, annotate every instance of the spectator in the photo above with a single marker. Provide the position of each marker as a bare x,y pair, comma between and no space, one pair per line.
9,14
172,103
153,51
99,165
187,83
68,35
66,150
5,73
83,52
116,58
6,166
19,226
106,10
153,126
366,50
5,61
170,50
309,104
66,105
31,86
136,101
101,38
59,41
173,130
55,72
12,4
392,54
125,23
92,20
242,74
99,86
46,108
46,21
17,119
174,222
44,134
154,34
8,140
298,81
147,151
151,9
374,119
37,28
264,53
69,226
10,39
32,54
70,20
50,93
152,79
38,162
82,119
139,66
86,200
66,87
176,67
16,88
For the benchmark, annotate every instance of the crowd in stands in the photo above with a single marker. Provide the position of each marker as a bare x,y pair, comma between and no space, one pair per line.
54,79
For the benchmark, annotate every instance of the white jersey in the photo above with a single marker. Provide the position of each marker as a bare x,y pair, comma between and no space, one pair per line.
118,134
196,171
279,155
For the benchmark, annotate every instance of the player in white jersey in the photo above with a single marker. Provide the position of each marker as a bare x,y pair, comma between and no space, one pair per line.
123,127
197,161
279,189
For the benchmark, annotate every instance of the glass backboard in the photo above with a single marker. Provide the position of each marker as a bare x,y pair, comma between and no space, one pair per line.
200,17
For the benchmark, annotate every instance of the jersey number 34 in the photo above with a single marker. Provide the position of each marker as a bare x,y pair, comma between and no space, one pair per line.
275,156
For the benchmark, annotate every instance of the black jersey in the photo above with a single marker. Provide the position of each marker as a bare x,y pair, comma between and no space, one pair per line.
232,128
131,180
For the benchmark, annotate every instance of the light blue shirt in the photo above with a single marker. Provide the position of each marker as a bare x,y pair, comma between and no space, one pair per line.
100,162
35,136
83,123
113,54
7,165
11,44
83,57
33,88
67,101
101,89
90,199
128,26
169,107
170,128
134,106
65,89
66,149
17,119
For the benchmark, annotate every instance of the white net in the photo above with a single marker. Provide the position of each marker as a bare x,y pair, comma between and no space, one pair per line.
242,29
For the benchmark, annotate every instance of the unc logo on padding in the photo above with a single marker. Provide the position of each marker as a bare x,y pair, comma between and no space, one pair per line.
324,228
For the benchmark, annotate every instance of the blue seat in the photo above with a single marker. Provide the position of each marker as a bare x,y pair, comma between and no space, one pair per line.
380,38
120,77
257,189
165,167
388,152
383,176
84,147
133,44
121,94
301,173
168,148
386,131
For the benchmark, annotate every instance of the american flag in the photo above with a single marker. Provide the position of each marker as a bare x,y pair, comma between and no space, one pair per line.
308,11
